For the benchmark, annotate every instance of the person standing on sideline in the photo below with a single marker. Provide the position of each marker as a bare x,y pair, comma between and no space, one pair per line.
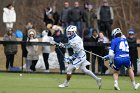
60,51
105,18
78,59
9,16
29,26
86,39
89,17
46,49
76,17
64,16
9,49
32,49
133,52
102,51
119,55
48,16
94,39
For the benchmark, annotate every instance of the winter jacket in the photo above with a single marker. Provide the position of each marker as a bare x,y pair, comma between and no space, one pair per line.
64,14
9,15
105,14
46,38
32,50
75,14
132,48
48,20
94,40
103,50
89,17
10,48
59,39
24,50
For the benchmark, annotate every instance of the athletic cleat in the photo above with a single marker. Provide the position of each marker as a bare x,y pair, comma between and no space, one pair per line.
65,84
116,87
99,82
137,86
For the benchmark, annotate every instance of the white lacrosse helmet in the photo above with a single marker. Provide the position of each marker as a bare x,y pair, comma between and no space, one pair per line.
116,31
71,30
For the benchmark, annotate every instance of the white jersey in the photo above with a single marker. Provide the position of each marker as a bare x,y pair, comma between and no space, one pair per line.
76,44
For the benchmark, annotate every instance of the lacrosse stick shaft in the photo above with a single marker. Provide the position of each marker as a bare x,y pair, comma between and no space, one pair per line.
88,52
94,54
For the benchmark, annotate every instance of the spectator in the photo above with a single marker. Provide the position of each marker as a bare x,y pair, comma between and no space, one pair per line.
46,49
9,16
48,16
29,26
105,18
65,21
86,5
89,17
32,49
86,39
102,51
133,52
94,39
75,17
56,16
64,15
59,37
9,49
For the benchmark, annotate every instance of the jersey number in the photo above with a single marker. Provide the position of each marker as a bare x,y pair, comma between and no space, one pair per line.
124,46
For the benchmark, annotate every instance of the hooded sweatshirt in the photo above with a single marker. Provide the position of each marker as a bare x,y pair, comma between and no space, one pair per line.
9,15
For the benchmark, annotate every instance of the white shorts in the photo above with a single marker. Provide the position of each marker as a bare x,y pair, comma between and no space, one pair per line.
78,63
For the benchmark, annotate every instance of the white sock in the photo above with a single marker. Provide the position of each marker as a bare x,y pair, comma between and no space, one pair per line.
66,81
133,83
116,82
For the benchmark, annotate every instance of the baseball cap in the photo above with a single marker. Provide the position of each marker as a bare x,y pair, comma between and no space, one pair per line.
131,31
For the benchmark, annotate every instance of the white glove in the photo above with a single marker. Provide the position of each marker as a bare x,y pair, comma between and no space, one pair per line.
106,57
61,45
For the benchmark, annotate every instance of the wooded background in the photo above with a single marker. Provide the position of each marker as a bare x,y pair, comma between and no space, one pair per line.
126,12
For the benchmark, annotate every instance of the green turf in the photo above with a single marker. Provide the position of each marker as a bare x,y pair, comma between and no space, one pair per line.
48,83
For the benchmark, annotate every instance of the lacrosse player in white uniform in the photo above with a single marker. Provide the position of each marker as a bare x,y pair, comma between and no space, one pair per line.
78,59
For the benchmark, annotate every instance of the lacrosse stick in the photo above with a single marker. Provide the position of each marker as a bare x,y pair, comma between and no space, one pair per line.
94,54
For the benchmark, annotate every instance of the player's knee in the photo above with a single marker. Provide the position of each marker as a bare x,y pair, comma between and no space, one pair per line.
69,72
84,69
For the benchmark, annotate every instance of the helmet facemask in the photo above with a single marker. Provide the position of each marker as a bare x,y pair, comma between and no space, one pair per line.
70,31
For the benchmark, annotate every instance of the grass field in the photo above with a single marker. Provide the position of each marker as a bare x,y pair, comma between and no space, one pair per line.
48,83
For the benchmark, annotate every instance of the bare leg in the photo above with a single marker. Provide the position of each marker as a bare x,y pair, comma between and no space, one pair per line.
68,77
132,78
131,74
115,76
